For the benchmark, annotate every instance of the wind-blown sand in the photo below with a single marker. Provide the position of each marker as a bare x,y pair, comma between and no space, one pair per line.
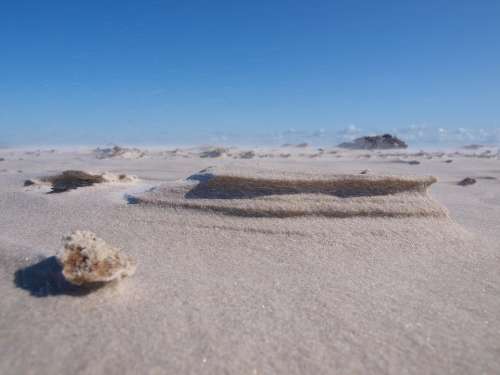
224,292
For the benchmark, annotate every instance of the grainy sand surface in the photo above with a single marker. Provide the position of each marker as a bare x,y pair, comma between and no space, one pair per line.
218,293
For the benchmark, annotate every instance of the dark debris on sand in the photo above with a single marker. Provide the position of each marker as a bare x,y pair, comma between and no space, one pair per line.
467,181
69,180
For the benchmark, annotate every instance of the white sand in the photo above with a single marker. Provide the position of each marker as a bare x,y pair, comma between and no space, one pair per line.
226,294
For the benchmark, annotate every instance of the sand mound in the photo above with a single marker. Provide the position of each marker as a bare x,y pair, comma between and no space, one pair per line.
264,194
73,179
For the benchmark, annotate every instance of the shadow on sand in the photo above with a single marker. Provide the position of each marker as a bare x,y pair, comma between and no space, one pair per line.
235,187
45,279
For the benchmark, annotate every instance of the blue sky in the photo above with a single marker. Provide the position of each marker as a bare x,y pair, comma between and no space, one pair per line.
188,71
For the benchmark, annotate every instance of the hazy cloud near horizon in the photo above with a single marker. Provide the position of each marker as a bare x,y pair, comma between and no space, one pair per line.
418,135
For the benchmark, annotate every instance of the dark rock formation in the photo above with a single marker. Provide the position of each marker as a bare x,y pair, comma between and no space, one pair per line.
214,152
378,142
472,147
247,155
302,145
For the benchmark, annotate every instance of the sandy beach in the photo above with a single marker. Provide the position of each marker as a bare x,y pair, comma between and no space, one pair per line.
405,282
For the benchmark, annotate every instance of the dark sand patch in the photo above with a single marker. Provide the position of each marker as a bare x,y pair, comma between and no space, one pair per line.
69,180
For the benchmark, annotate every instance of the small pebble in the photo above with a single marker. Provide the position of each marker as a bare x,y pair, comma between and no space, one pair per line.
467,181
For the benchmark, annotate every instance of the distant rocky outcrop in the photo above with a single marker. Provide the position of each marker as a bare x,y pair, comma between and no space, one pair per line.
214,152
377,142
247,154
472,147
302,145
118,152
298,145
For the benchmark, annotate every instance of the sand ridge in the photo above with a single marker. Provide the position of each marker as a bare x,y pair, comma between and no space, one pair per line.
263,193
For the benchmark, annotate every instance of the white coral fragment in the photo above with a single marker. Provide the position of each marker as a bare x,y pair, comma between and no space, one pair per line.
87,259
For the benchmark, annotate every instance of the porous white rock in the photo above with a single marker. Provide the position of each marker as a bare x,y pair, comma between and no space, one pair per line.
88,259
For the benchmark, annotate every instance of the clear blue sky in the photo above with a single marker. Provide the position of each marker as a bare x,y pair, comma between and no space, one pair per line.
161,71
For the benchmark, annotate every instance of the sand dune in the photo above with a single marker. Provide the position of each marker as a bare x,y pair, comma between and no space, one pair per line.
74,179
298,195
